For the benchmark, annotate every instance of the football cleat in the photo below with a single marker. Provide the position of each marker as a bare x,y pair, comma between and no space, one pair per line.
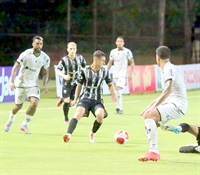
8,125
171,128
66,137
92,137
189,149
25,129
150,156
118,111
60,101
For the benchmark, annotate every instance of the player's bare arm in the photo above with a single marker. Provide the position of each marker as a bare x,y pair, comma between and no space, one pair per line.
112,91
132,64
109,64
165,93
62,75
13,74
45,80
77,93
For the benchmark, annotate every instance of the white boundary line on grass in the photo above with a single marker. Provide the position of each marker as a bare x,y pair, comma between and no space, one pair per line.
125,102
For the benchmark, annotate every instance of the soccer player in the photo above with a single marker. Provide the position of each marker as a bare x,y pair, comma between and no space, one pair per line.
121,57
171,104
71,64
91,78
192,129
30,62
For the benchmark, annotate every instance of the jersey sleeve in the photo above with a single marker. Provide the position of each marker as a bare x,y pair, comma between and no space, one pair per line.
60,65
129,54
81,76
108,78
83,62
22,58
111,56
47,62
168,74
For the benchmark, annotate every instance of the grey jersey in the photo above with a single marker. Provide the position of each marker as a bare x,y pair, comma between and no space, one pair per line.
71,67
92,82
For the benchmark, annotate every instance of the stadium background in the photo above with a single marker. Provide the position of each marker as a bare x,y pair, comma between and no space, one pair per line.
94,24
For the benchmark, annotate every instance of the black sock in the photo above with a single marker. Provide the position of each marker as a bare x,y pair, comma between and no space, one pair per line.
198,137
96,126
185,127
72,125
66,111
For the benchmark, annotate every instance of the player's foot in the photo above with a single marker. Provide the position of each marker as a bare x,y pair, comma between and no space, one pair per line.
119,111
8,125
92,137
189,149
60,101
25,129
67,122
66,137
150,156
167,127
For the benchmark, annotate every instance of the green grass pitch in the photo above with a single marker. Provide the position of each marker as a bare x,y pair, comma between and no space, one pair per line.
45,153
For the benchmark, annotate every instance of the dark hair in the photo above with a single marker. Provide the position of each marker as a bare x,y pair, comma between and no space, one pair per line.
37,37
163,52
99,54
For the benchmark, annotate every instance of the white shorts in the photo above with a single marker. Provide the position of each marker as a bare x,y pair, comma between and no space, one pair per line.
21,94
120,82
169,111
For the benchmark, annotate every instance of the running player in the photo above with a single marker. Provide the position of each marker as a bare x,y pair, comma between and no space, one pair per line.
71,64
91,78
121,57
30,62
192,129
171,104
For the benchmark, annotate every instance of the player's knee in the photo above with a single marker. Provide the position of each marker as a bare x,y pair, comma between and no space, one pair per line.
66,100
185,127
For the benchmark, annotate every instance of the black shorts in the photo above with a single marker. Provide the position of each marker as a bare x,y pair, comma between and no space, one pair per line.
90,105
68,90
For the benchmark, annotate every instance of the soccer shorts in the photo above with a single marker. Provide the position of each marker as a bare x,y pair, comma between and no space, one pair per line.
169,111
21,94
68,90
120,82
92,105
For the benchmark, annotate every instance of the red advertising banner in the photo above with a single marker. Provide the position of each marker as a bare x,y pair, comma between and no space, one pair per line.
143,79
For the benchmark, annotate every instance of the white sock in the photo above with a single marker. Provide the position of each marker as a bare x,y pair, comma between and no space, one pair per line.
27,119
12,116
119,99
152,134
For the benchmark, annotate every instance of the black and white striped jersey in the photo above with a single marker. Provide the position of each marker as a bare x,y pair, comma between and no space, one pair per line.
71,67
93,82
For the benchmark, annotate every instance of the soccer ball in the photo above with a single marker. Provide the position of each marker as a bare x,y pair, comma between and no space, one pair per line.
121,137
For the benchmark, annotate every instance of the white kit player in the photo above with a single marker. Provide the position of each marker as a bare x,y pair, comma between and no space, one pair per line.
30,62
171,104
120,57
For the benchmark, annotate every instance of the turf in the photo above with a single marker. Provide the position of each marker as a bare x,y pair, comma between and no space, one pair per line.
45,153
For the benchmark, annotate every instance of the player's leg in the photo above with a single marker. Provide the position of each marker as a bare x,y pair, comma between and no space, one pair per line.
80,110
119,84
99,111
20,95
151,119
66,93
33,95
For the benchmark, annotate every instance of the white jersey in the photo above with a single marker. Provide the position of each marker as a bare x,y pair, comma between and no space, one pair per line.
120,59
30,68
178,95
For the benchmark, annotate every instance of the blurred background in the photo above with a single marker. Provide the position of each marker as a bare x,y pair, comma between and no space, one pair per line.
95,24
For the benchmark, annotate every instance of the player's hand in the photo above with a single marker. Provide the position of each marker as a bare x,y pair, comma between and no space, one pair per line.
114,98
12,86
72,103
67,77
45,89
